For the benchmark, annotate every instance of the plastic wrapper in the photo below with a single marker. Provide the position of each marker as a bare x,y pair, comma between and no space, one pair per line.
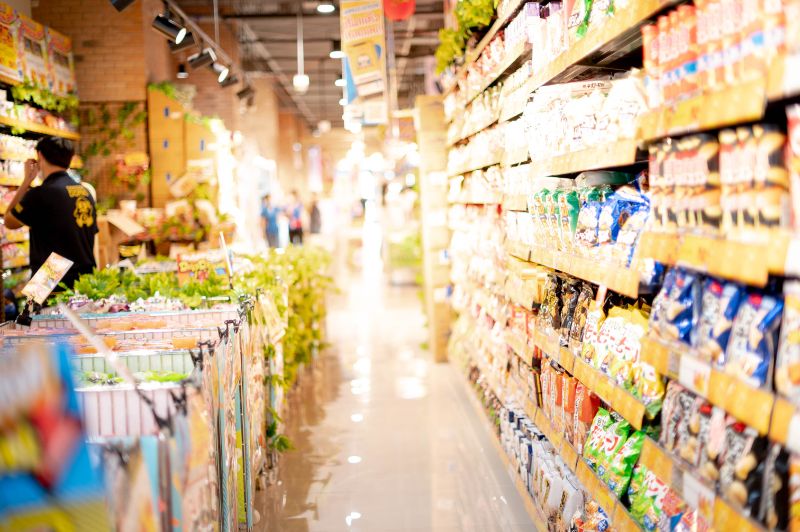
594,519
611,335
787,365
587,406
794,493
631,227
592,449
568,404
741,468
550,309
588,222
661,302
579,316
692,521
626,351
774,512
568,209
594,321
720,304
570,293
653,504
613,439
620,468
648,387
693,447
682,309
754,337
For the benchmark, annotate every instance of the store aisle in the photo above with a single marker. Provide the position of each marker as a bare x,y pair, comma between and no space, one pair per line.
385,439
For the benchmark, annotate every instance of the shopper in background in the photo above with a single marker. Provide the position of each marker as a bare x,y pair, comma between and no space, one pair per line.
295,213
269,221
315,217
61,213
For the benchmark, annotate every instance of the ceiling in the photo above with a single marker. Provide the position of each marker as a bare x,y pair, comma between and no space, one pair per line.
267,31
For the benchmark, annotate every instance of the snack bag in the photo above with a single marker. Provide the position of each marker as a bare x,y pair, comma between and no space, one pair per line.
587,406
594,442
573,502
586,231
579,316
771,180
648,386
647,494
625,352
613,440
718,423
699,425
569,301
611,334
774,512
683,308
787,368
720,304
661,302
553,219
692,521
594,519
591,332
618,473
794,493
568,404
631,227
568,208
675,419
742,467
754,338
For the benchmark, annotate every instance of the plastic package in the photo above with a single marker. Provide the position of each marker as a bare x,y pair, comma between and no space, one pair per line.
620,469
754,338
787,369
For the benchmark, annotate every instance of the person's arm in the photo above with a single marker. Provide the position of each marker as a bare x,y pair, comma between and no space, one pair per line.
31,171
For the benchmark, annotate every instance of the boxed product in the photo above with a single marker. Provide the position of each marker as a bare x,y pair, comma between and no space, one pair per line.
61,63
32,47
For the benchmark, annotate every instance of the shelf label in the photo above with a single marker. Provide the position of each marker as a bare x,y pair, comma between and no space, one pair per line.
698,495
694,374
751,405
718,388
629,407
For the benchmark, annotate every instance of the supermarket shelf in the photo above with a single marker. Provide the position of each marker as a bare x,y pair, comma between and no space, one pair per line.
618,279
514,104
622,153
749,263
475,130
502,20
38,128
695,491
512,60
516,156
478,166
624,21
533,510
519,346
476,200
679,363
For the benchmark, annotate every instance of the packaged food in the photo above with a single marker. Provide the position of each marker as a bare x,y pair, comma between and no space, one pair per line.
594,519
614,438
588,222
587,405
611,334
793,159
675,420
692,521
661,303
774,511
633,222
568,209
683,307
709,463
742,466
699,421
771,179
648,387
594,322
728,161
794,487
550,309
653,503
720,304
787,365
568,402
618,473
570,294
592,449
626,349
754,338
579,316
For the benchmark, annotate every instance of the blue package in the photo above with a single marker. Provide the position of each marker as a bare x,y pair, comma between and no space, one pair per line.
657,312
754,338
719,304
682,307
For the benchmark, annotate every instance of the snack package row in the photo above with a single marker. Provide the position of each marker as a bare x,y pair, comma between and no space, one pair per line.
568,404
758,477
710,44
483,149
482,110
749,333
735,184
593,113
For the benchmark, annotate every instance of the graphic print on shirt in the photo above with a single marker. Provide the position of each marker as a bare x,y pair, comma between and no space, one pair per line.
84,212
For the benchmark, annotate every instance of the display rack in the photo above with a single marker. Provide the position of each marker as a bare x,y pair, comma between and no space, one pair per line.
506,337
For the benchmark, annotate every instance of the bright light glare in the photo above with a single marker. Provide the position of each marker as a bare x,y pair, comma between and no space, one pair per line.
357,418
340,82
326,8
337,54
354,459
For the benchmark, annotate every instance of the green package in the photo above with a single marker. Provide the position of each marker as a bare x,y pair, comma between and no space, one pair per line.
569,206
618,473
594,442
553,225
615,437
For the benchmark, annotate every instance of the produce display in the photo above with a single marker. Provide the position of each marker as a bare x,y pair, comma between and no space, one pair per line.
628,312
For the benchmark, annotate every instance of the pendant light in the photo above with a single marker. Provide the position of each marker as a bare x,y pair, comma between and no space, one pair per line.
300,81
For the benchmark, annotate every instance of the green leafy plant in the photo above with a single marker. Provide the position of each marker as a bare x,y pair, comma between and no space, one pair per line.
471,16
27,91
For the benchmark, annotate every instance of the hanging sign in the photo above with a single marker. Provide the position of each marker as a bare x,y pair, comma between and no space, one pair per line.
47,278
397,10
364,45
10,66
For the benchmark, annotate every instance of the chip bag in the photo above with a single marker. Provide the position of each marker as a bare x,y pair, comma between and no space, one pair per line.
614,438
618,473
787,369
754,338
594,442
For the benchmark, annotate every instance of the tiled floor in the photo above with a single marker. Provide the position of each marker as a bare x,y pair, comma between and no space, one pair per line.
385,439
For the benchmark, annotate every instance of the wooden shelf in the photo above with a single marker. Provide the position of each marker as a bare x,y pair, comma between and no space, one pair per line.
472,55
513,57
621,153
474,131
38,128
478,166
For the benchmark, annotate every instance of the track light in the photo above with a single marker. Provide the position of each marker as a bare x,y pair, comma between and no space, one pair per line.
326,8
340,83
170,29
221,70
187,42
182,73
119,5
336,52
246,92
202,58
230,80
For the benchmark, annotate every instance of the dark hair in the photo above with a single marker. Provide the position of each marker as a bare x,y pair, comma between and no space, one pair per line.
56,151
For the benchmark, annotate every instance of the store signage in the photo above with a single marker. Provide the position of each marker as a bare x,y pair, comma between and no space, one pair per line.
9,57
47,278
364,45
399,9
200,265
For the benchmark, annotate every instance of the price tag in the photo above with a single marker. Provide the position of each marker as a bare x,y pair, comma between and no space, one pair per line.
629,407
698,495
694,374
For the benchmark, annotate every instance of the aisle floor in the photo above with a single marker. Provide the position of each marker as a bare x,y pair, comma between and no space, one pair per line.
386,440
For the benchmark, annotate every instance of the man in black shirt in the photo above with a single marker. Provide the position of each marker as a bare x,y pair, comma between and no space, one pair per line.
61,212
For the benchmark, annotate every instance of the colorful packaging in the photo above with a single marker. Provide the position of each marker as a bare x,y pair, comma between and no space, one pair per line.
587,405
793,159
568,209
579,316
61,63
771,179
754,338
32,49
742,467
774,511
570,294
592,449
594,322
683,308
614,438
648,387
10,64
794,487
653,503
720,304
787,368
618,473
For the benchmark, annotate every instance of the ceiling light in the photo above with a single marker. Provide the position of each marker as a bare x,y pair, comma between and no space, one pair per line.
169,28
326,8
230,80
336,50
203,58
182,73
119,5
343,102
300,82
221,70
187,42
246,92
324,126
340,83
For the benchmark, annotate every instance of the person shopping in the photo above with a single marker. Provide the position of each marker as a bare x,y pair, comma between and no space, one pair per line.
295,214
60,212
269,222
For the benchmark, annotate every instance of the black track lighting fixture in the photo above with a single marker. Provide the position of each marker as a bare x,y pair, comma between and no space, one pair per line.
202,58
119,5
187,42
182,72
170,29
233,79
246,93
221,71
